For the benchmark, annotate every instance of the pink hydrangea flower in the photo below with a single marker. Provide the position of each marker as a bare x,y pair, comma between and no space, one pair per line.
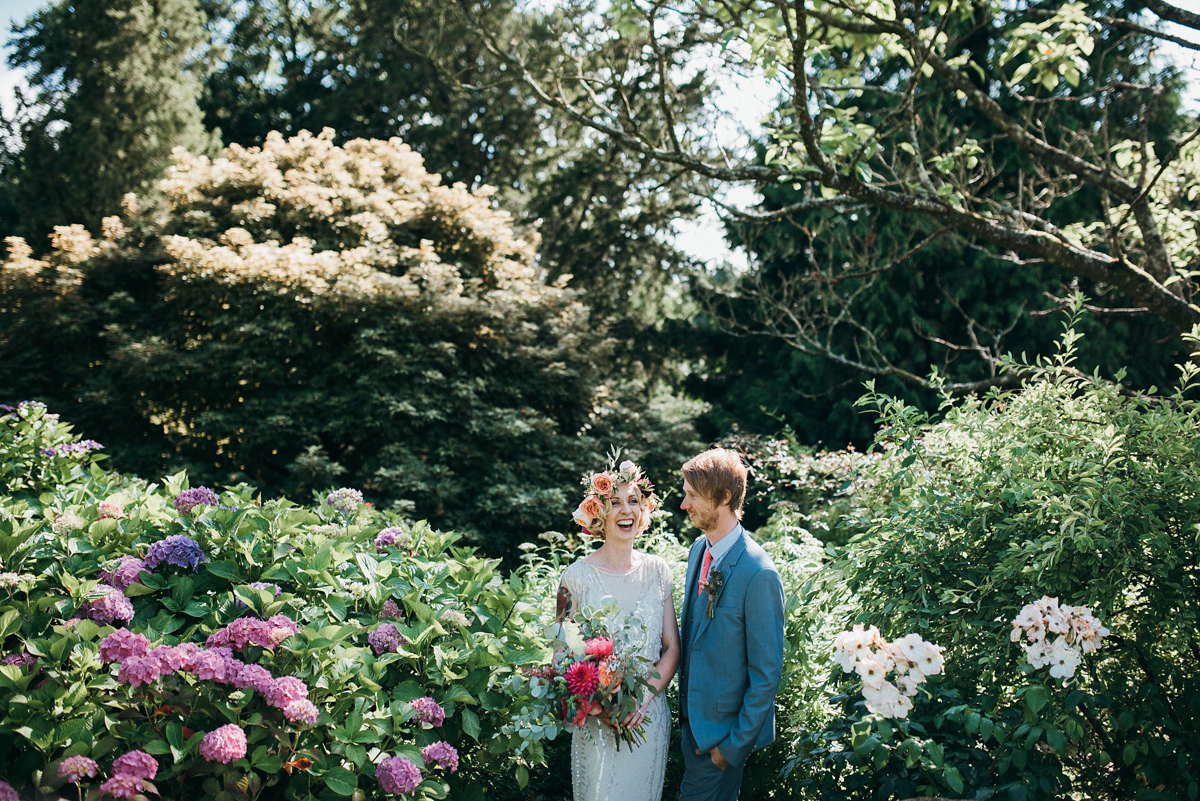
121,785
442,754
136,763
301,710
7,793
139,670
249,677
110,607
284,690
397,775
224,744
428,711
74,768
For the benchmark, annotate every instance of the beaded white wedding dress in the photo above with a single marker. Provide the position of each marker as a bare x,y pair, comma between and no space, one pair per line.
599,771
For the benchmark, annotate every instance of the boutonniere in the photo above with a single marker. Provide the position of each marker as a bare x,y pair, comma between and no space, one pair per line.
715,583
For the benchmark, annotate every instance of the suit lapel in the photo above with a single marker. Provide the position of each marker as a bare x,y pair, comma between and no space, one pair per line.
689,583
728,565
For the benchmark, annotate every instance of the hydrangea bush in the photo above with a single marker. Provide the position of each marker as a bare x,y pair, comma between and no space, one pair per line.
204,644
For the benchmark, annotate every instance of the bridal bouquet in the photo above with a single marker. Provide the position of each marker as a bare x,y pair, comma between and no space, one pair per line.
596,673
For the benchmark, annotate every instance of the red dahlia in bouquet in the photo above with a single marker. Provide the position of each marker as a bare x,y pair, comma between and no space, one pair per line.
595,674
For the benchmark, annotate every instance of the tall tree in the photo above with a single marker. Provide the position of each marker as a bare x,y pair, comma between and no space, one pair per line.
1024,131
115,88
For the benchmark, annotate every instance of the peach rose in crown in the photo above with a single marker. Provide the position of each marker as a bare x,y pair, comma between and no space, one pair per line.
588,511
602,483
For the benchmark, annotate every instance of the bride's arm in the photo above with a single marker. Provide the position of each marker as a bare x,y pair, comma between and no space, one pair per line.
665,667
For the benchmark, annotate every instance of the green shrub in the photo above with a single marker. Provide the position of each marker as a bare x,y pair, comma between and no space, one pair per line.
463,630
1071,487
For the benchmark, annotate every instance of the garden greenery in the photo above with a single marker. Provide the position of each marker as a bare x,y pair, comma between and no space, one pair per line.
1072,490
252,649
1028,563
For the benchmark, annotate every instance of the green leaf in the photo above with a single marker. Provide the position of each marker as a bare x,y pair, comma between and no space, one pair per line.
1036,697
341,781
470,723
953,779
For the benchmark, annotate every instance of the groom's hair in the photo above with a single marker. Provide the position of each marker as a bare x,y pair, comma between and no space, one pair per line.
715,472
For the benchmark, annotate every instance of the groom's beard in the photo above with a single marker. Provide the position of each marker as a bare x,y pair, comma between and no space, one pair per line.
705,521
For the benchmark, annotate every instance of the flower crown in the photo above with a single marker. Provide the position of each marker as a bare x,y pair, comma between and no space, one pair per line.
599,487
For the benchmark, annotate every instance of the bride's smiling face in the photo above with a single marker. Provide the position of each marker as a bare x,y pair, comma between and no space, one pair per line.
625,514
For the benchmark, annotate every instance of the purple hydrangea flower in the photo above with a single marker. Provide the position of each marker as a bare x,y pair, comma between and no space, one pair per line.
224,744
390,610
21,660
189,499
428,711
178,550
74,768
62,449
345,500
123,644
7,793
442,754
397,775
386,638
393,535
121,785
112,606
258,585
136,763
128,571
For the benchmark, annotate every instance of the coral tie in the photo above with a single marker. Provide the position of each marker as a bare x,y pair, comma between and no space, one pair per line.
704,569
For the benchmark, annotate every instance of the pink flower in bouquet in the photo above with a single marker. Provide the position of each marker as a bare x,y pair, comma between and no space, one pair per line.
224,744
121,785
74,768
136,763
599,647
582,679
442,754
602,483
398,775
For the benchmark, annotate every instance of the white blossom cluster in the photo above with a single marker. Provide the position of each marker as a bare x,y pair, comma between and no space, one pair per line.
890,672
1057,636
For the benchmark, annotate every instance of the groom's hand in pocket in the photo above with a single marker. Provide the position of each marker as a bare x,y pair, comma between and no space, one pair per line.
717,757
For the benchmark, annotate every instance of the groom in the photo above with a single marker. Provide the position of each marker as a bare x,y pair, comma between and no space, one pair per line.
732,634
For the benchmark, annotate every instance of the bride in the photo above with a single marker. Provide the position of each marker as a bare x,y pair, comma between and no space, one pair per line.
617,509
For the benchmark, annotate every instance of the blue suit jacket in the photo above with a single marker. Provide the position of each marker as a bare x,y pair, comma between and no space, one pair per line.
732,663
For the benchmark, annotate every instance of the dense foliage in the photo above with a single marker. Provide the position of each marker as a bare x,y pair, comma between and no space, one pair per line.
305,315
1074,488
341,608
